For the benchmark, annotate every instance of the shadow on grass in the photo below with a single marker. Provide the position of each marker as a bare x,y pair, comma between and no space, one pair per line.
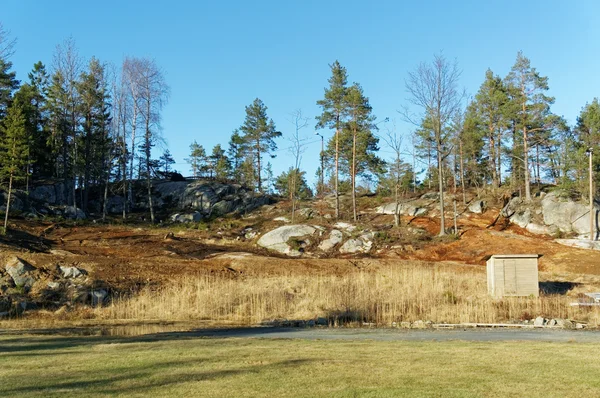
58,340
556,287
138,377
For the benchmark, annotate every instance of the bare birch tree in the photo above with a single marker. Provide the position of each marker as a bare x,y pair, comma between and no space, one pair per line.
394,141
433,87
297,148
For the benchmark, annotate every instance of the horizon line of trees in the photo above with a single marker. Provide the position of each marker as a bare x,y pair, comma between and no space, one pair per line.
94,125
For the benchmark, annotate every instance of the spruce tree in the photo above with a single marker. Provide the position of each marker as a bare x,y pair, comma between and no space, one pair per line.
14,149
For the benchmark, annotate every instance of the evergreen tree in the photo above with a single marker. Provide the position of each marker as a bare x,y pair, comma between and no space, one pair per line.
587,135
259,135
530,87
293,179
335,110
94,140
197,159
8,84
14,150
166,160
40,150
361,156
236,155
219,164
59,125
489,115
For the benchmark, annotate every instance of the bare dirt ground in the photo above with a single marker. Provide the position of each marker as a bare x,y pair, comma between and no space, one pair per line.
126,257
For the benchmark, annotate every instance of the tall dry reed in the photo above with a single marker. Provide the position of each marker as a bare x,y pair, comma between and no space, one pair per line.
391,294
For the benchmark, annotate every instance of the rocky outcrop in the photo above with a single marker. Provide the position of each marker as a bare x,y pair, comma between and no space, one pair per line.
290,240
550,214
209,198
25,286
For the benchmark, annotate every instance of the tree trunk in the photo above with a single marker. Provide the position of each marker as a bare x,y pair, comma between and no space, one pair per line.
258,163
441,187
8,201
492,157
337,193
354,175
397,194
132,154
462,172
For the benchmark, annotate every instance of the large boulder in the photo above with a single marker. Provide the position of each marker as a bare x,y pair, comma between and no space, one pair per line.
289,239
567,215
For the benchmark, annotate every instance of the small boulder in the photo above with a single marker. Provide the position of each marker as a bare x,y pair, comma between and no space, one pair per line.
344,226
335,238
74,213
98,297
539,322
20,272
477,207
362,244
184,218
70,272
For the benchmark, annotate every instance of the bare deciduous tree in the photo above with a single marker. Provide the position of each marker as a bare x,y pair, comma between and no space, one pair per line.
68,63
154,93
7,45
394,141
433,87
297,148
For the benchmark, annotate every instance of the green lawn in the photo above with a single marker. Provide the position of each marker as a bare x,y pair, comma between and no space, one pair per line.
180,366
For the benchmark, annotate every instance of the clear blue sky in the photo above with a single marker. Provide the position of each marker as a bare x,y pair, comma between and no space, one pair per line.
220,55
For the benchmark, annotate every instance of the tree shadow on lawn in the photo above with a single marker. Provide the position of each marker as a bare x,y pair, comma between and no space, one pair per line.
68,338
138,378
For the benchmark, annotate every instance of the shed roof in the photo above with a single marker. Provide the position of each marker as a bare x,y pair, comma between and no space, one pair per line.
515,256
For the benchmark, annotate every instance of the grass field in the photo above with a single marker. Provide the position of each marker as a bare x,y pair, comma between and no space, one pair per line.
170,366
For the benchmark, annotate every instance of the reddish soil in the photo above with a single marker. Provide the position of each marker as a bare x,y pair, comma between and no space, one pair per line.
128,256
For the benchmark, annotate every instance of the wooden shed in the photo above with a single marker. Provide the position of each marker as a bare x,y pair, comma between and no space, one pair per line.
513,275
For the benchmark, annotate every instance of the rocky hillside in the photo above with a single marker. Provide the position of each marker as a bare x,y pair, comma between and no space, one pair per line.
183,200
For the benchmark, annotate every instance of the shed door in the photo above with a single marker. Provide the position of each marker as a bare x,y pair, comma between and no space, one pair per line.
510,277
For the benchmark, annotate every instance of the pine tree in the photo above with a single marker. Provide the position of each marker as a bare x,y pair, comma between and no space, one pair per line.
166,161
259,135
587,135
236,155
489,108
361,156
219,163
94,141
530,87
293,180
197,159
333,116
14,149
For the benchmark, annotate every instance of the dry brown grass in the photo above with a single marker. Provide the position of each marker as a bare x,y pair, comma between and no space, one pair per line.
391,294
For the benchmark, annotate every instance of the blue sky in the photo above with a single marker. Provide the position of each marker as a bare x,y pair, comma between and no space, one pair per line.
220,55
